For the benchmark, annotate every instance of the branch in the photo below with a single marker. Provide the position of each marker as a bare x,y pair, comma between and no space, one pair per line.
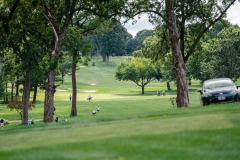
205,30
13,9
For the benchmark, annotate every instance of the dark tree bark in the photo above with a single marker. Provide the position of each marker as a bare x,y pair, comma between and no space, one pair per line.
50,89
6,95
168,86
142,89
25,98
35,94
104,57
74,86
107,59
178,63
12,91
143,86
17,90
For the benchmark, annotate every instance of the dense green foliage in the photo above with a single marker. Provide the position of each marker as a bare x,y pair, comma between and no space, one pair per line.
136,43
219,56
140,70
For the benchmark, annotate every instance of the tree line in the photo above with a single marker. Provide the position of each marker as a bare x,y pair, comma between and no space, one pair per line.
217,56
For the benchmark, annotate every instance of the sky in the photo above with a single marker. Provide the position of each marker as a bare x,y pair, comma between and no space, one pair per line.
233,16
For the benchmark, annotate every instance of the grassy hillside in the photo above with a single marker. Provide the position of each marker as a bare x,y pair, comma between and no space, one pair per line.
130,126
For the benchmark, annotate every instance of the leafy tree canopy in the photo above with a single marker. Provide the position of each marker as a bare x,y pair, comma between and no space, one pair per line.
222,56
139,70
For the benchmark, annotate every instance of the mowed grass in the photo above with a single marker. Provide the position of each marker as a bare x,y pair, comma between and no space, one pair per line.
130,126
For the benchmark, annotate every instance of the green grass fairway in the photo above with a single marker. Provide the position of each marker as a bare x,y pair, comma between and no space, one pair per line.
130,126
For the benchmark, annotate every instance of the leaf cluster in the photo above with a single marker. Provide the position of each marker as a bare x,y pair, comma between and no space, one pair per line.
16,104
139,70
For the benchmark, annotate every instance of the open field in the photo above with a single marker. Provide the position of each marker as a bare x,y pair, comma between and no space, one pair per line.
130,126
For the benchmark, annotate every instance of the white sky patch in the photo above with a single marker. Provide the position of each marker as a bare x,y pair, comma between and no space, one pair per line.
233,14
140,25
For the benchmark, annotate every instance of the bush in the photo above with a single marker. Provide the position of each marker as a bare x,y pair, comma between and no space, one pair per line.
16,104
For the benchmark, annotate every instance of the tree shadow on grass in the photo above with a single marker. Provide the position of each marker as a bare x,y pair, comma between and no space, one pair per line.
151,93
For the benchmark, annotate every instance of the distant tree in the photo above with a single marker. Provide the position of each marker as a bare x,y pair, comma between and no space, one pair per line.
217,27
130,46
138,53
153,45
65,66
11,68
136,43
113,41
139,70
78,48
142,35
96,41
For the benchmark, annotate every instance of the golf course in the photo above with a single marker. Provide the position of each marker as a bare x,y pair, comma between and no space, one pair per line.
129,126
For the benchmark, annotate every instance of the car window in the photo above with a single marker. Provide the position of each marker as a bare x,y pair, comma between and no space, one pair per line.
217,84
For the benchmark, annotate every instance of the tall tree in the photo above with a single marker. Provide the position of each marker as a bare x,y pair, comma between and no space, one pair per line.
113,41
23,39
59,17
200,16
78,48
178,63
65,66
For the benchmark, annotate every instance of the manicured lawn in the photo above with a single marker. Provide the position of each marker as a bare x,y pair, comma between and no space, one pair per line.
130,126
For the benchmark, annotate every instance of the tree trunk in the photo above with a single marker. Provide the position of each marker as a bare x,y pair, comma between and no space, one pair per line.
142,87
74,86
12,91
25,98
178,63
50,89
17,90
6,95
107,59
21,115
62,78
35,94
168,86
104,57
189,81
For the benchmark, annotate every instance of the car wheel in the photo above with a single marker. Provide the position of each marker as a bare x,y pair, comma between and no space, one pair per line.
237,98
202,102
